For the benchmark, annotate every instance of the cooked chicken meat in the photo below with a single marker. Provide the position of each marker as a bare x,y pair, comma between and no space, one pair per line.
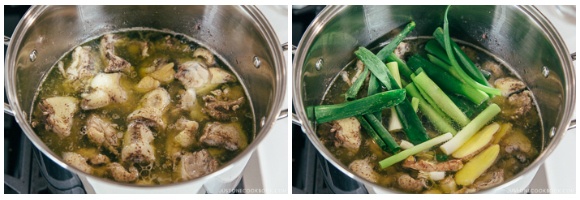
77,161
515,142
347,133
230,135
113,62
520,104
493,68
423,165
104,90
137,144
99,159
187,99
401,49
196,164
409,184
360,66
193,74
119,173
205,54
59,112
509,86
151,108
186,137
219,107
364,169
103,133
489,179
83,65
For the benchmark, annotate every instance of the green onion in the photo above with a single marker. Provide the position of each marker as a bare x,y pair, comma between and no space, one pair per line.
394,122
355,87
434,48
374,87
365,124
462,136
377,125
440,98
448,82
414,150
415,103
403,68
371,104
389,48
454,64
444,66
440,122
374,64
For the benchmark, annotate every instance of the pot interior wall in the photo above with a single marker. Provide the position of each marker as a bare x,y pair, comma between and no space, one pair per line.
506,31
229,31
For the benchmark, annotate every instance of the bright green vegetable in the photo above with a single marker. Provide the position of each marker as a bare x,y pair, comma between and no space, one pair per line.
415,103
444,66
389,48
374,87
446,81
462,136
369,129
414,150
440,98
355,87
377,125
430,101
403,68
440,122
466,63
454,64
394,122
371,104
374,64
434,48
412,125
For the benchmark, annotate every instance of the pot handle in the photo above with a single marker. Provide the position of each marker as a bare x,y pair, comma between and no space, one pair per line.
7,107
284,112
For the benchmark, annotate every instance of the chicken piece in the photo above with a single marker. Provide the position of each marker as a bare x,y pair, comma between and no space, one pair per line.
77,161
515,142
423,165
147,84
59,112
205,54
83,66
103,133
448,185
470,53
104,90
509,86
364,169
401,49
520,104
219,107
186,137
193,74
99,159
407,183
196,164
151,108
119,173
360,66
489,179
494,68
230,136
187,99
137,144
347,133
113,62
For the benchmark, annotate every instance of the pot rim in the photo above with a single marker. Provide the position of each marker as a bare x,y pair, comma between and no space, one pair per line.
258,19
532,12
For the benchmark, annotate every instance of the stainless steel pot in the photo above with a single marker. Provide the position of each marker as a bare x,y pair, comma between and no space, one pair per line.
239,34
520,35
